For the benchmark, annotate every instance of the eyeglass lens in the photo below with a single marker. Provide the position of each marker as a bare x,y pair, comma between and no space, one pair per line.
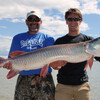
73,19
30,19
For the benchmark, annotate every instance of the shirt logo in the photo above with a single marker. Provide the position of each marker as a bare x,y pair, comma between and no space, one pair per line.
31,43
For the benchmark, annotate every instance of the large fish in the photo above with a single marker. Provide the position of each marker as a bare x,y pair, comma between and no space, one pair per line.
74,53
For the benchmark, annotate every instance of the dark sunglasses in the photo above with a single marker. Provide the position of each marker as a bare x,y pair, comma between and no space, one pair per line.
30,19
73,19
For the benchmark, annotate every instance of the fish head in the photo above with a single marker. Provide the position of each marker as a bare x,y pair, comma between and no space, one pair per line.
93,47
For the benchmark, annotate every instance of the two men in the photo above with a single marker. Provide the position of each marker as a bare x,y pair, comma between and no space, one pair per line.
72,79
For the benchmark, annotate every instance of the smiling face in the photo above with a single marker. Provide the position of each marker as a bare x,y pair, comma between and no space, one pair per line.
33,23
73,21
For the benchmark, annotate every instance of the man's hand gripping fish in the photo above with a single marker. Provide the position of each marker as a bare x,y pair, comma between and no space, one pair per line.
42,58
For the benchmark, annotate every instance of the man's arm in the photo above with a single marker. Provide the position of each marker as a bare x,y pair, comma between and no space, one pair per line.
97,58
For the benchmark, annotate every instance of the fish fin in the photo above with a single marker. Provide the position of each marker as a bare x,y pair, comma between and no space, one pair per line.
58,64
44,71
16,53
91,62
11,74
86,66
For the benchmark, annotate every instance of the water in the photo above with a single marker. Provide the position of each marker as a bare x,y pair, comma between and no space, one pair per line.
7,86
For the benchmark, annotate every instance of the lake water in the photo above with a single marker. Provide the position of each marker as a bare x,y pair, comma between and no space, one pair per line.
7,86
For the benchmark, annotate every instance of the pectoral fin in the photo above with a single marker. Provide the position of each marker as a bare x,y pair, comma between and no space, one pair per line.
11,74
16,53
44,71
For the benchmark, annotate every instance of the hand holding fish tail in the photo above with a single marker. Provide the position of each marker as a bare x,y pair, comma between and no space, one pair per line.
1,58
12,55
1,61
8,65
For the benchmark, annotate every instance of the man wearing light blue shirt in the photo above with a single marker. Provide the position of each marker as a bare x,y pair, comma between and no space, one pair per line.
30,86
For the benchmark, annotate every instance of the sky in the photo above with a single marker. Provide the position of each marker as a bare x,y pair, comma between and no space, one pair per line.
13,14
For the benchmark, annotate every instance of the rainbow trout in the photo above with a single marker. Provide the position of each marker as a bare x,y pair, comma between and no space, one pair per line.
73,53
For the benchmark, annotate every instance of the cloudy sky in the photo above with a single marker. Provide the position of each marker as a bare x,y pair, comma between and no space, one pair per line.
13,14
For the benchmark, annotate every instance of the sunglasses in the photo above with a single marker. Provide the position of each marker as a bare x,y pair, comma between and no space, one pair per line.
73,19
30,19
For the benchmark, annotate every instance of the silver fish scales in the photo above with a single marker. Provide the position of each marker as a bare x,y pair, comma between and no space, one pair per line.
73,53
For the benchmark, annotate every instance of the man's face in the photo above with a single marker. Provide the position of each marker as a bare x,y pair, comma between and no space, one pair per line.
73,21
33,23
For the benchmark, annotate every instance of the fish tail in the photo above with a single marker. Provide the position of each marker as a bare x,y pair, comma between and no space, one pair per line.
12,73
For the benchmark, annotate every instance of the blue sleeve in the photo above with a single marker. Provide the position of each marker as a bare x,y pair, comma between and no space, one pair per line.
15,45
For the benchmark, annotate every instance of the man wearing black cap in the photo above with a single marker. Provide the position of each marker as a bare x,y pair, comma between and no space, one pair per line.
30,86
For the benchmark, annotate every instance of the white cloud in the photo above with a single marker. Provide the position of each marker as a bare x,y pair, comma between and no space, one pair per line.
3,27
17,20
90,6
84,27
5,42
53,26
5,37
18,8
